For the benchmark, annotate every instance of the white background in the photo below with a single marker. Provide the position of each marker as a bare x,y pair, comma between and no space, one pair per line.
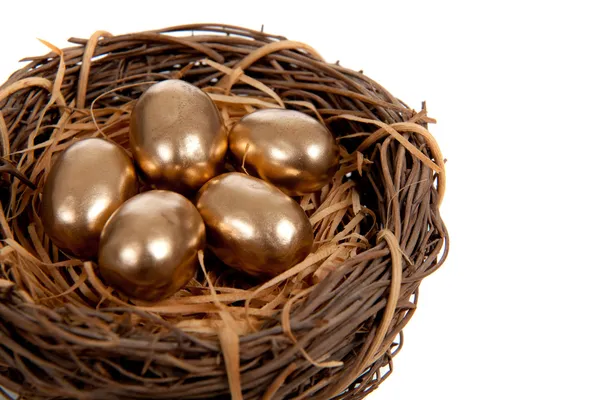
514,86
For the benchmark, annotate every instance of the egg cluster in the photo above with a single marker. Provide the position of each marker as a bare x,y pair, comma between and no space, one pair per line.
147,244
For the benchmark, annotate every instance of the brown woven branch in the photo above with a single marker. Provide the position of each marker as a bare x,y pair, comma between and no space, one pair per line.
328,328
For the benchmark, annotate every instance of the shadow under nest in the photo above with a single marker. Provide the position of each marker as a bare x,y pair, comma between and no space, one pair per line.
327,328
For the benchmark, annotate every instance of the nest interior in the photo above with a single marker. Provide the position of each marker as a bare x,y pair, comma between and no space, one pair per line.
327,328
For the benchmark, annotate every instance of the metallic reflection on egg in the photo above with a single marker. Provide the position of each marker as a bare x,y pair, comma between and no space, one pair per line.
86,184
148,249
253,226
177,136
287,148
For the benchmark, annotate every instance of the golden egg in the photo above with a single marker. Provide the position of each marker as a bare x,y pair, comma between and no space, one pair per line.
177,136
253,226
148,248
86,184
287,148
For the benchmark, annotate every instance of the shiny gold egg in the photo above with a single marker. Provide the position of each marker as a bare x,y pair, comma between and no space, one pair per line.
287,148
177,136
253,226
148,248
86,184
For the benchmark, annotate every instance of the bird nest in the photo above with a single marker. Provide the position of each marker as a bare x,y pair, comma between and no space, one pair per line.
326,328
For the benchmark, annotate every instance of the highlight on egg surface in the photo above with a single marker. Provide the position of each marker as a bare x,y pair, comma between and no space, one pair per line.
148,248
86,184
253,226
287,148
177,136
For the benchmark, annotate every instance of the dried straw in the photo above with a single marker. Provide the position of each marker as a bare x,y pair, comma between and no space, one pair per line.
327,328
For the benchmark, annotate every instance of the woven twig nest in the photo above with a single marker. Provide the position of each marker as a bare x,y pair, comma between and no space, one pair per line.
327,328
